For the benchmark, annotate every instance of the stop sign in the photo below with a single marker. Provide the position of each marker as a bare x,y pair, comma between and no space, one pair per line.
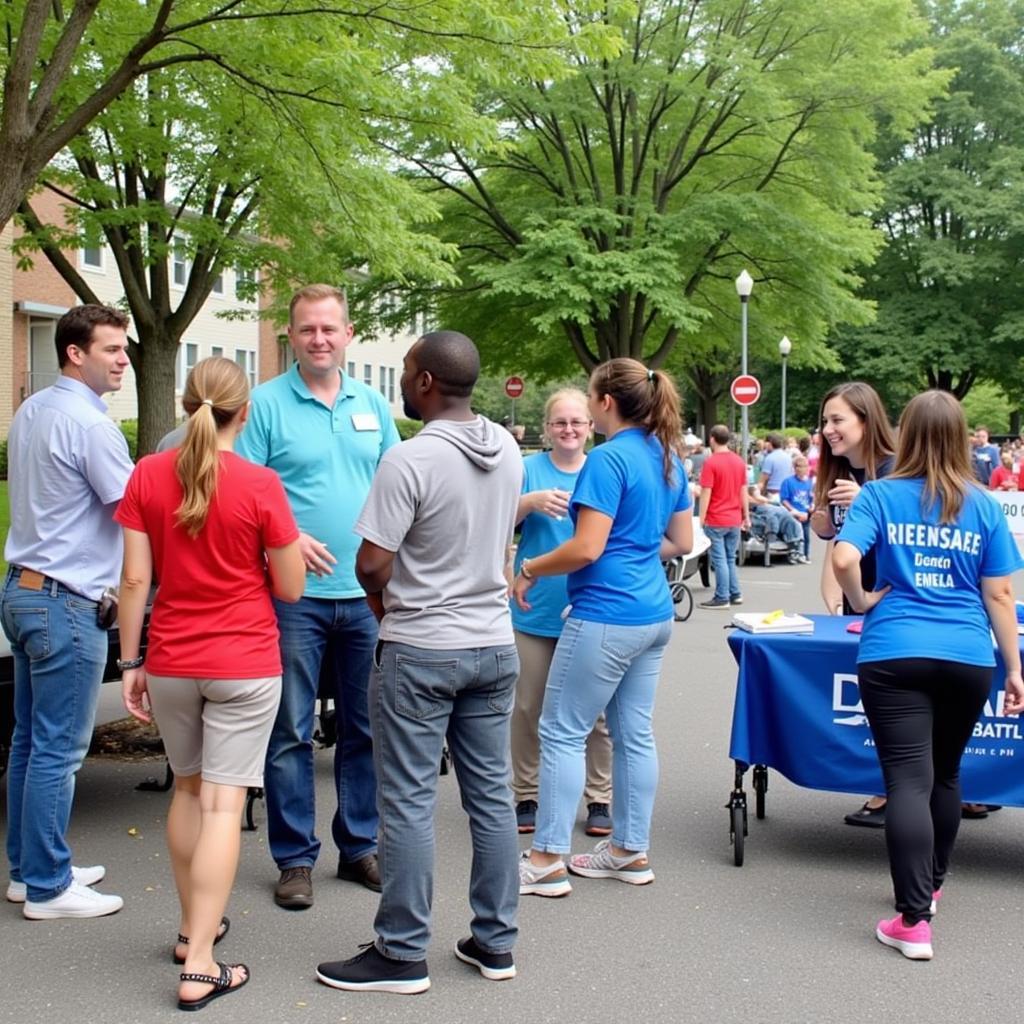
745,390
514,387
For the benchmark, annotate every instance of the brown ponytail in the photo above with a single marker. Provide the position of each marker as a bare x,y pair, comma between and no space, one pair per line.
645,398
215,391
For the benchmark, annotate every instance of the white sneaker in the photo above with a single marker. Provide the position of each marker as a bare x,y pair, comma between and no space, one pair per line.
17,892
550,881
75,901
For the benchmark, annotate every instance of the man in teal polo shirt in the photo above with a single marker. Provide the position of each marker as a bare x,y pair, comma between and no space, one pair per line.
324,433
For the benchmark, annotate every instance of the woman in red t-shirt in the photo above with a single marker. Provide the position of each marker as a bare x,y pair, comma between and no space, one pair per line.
217,533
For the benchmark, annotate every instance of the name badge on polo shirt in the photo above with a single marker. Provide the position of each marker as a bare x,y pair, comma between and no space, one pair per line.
365,421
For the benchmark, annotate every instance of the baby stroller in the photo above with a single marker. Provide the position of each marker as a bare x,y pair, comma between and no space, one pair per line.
679,569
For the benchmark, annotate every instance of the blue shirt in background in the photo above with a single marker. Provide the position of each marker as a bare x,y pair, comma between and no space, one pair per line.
623,478
778,465
541,534
799,493
326,459
935,608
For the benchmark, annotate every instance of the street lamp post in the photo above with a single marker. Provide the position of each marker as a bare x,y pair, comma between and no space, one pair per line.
785,347
744,286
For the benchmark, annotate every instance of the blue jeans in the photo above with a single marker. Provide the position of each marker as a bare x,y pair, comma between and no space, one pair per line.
306,627
417,696
725,540
59,657
599,667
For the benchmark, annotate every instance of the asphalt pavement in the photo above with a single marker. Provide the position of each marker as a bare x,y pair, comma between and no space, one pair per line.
787,938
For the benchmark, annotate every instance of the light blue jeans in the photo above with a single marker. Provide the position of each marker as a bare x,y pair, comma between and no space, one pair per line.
599,667
59,656
725,540
417,696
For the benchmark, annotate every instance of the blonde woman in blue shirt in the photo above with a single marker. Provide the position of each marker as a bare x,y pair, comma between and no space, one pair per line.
945,558
548,482
631,508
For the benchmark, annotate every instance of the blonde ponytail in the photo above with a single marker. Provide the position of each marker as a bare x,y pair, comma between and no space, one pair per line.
215,391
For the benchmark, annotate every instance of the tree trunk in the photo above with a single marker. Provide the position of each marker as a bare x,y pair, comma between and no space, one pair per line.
708,414
154,357
1015,423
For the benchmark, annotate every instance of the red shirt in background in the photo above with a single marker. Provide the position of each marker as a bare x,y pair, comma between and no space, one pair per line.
1001,476
212,617
726,475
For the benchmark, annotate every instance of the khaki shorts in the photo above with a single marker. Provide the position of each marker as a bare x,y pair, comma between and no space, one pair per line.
220,727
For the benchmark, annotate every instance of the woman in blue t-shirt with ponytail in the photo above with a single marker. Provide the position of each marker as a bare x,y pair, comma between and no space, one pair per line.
944,557
631,508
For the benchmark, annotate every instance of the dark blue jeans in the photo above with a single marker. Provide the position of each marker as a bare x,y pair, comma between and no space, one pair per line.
59,654
306,627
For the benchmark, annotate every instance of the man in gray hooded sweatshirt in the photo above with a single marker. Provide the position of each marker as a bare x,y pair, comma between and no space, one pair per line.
436,529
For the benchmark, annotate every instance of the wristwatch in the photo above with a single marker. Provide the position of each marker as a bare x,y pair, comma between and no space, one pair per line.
524,569
124,664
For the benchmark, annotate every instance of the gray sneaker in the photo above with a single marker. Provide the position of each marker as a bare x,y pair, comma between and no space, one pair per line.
294,890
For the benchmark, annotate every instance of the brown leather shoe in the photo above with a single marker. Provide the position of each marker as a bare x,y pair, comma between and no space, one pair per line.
365,871
294,890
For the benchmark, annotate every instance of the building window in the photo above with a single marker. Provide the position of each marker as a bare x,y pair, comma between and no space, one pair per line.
368,375
246,359
384,381
92,257
217,352
245,282
217,288
351,369
42,354
187,359
391,384
179,263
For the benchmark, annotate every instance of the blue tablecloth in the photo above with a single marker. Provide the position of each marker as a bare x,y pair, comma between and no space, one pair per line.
798,711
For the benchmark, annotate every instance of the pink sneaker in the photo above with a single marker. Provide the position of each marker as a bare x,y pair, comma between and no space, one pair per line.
914,943
936,896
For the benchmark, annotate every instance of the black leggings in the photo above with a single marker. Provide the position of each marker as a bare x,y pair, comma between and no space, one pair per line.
922,712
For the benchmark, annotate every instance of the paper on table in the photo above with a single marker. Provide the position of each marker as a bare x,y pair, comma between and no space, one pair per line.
774,622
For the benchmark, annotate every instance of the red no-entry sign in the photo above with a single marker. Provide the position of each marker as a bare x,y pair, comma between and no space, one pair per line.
514,387
745,390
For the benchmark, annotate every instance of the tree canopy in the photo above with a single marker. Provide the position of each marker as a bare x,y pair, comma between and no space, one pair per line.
623,200
949,282
271,152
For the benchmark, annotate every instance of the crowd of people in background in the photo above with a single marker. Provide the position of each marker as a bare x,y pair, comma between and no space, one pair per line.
328,558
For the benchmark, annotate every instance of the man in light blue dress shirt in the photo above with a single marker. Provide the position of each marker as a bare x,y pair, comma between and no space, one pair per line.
324,434
68,465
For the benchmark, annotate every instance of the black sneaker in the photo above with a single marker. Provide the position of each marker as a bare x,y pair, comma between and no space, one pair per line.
372,971
526,815
735,599
715,602
493,966
599,821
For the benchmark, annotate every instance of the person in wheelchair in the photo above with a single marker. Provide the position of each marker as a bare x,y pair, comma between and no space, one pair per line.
771,521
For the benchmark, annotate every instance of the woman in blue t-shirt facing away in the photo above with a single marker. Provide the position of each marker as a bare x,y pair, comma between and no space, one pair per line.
630,509
944,560
548,482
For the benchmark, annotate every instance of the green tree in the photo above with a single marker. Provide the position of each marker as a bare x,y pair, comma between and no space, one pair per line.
60,73
280,168
948,283
625,199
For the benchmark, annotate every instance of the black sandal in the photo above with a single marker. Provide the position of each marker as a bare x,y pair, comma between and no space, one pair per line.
221,986
183,940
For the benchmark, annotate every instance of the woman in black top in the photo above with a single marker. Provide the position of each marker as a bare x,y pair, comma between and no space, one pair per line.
857,445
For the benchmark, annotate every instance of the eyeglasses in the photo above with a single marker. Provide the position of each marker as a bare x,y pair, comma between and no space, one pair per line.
575,424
